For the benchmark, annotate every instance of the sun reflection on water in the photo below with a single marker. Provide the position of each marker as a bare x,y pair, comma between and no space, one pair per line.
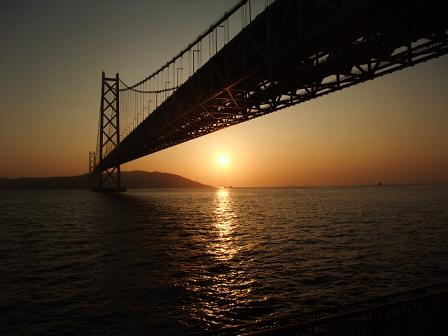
225,246
225,280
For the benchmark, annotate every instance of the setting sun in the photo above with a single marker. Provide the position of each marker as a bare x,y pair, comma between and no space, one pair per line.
222,160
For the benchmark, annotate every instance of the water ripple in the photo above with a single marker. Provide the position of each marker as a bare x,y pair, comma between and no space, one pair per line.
183,261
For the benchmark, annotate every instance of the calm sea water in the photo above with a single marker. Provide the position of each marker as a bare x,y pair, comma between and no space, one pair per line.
184,261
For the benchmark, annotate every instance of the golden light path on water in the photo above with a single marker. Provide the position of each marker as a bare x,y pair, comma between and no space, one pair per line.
225,247
228,280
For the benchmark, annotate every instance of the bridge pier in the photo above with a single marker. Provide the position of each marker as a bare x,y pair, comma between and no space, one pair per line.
107,179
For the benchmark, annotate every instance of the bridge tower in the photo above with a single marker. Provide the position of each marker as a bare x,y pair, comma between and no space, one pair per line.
108,179
91,162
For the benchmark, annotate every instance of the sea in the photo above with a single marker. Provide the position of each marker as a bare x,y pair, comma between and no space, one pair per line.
192,261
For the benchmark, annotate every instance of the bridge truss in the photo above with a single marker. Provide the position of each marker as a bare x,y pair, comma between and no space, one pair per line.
291,52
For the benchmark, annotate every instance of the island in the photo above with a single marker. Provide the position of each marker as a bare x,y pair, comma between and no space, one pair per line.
130,179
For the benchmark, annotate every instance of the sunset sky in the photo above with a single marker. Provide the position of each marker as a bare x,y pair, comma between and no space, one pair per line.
393,129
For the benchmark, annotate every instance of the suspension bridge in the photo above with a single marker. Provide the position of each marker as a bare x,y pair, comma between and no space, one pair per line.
261,57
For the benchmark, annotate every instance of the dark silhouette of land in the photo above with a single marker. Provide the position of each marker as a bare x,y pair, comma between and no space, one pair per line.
131,179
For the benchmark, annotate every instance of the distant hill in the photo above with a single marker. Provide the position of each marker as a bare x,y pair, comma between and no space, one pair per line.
4,180
132,179
143,179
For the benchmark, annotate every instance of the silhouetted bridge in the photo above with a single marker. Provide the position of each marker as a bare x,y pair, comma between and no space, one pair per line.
258,58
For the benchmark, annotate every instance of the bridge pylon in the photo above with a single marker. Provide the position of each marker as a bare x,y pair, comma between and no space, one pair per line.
108,179
91,162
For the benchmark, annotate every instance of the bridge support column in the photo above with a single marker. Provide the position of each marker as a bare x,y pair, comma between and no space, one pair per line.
108,179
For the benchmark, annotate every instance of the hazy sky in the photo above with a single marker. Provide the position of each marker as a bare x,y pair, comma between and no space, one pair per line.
392,129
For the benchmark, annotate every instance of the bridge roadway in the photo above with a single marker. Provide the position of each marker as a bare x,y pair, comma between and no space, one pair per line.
294,51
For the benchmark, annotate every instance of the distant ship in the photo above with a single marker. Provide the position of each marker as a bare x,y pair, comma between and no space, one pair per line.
380,183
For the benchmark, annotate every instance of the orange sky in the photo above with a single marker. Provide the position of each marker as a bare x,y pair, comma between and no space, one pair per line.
393,129
366,134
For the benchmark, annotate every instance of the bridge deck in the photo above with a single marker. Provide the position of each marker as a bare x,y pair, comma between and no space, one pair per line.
294,51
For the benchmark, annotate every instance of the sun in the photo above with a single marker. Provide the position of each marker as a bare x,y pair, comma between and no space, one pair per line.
222,160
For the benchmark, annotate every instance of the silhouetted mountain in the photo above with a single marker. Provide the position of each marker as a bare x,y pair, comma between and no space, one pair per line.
132,179
4,180
142,179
